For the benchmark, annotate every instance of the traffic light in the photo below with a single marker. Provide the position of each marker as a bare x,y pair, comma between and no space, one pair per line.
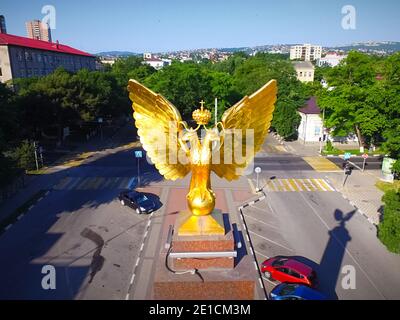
348,169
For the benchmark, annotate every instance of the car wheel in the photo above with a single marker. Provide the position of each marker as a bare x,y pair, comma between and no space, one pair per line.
138,211
268,275
123,202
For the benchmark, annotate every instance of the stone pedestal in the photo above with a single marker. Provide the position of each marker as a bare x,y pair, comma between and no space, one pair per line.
215,277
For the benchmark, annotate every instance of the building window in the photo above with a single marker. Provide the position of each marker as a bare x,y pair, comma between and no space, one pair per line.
19,55
39,57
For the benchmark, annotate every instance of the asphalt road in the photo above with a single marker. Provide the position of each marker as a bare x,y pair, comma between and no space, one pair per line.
372,163
323,230
80,228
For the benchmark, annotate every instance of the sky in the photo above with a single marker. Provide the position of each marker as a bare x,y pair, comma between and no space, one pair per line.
159,25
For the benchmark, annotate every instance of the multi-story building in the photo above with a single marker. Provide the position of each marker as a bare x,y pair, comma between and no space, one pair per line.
23,57
38,30
305,52
2,24
304,70
332,59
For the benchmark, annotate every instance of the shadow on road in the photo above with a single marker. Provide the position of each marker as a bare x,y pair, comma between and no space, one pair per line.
329,268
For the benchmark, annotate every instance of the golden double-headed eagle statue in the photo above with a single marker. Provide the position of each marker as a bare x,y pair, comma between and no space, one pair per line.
176,149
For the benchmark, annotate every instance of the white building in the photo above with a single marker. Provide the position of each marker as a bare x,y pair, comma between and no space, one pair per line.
332,59
155,63
310,129
304,70
305,52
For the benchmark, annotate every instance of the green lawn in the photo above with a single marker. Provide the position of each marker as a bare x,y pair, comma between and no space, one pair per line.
386,186
354,152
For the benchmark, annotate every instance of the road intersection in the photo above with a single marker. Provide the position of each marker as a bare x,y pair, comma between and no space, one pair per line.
102,250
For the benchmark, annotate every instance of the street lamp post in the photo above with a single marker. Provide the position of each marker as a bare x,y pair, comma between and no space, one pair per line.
258,171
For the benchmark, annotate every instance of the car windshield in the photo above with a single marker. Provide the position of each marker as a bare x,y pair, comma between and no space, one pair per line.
279,262
288,289
141,198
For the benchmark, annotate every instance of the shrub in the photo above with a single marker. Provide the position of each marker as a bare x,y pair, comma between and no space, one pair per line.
389,228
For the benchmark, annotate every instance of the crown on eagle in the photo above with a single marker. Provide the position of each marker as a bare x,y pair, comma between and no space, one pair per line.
201,116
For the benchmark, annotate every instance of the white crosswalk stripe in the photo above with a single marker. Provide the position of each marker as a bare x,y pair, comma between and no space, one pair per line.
297,185
91,183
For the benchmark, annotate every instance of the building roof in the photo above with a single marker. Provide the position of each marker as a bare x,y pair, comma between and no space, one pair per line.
303,65
9,39
311,107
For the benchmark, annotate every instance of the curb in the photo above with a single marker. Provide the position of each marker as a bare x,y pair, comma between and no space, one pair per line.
252,250
22,214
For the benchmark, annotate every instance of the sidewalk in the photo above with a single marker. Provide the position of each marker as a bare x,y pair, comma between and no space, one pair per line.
361,192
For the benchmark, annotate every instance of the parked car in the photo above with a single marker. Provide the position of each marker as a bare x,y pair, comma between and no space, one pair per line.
295,291
285,269
137,201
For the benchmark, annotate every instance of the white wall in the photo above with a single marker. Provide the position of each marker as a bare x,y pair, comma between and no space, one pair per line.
310,127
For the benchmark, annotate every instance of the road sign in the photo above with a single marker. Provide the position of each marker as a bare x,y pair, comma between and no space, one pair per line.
138,154
258,170
347,156
365,156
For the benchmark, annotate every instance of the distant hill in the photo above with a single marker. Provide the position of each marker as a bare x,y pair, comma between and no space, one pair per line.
379,46
117,54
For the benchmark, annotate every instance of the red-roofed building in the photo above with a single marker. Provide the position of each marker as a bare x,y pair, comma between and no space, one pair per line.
22,57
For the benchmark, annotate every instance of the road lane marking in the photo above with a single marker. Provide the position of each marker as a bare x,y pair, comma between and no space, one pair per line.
272,241
253,190
321,164
311,185
341,244
132,278
325,183
274,283
294,185
260,282
8,227
260,221
260,254
74,184
321,187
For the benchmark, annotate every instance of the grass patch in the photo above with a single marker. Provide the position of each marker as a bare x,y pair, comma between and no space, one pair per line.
387,186
354,152
23,208
37,172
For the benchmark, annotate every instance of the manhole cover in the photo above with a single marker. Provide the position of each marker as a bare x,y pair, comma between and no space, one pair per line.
357,186
365,201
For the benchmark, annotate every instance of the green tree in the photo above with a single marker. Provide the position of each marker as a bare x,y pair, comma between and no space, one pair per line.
24,156
355,104
184,84
389,228
257,71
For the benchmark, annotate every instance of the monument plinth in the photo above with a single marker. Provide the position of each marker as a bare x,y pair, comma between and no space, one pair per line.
201,261
203,277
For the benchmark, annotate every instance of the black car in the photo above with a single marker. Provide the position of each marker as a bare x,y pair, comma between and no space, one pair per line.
137,201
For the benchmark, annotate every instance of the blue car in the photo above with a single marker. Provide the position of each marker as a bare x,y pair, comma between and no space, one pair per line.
295,291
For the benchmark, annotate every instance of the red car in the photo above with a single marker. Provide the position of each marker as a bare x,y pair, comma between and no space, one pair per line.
289,270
